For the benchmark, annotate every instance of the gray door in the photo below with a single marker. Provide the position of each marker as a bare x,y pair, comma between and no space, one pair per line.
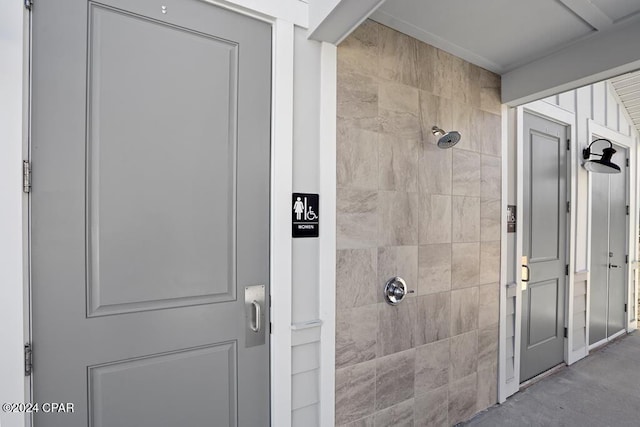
544,244
608,284
150,214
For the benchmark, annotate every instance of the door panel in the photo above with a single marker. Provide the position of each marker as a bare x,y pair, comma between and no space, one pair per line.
618,246
544,243
150,213
599,270
609,227
172,153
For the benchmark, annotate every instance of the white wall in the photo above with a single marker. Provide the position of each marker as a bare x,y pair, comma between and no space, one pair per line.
12,337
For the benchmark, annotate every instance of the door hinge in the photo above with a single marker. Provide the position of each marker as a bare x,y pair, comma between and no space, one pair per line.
568,207
627,209
625,308
28,4
627,162
26,176
566,270
270,328
568,145
28,359
566,333
626,259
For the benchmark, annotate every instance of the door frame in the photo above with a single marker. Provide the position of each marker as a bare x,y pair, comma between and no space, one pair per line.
595,130
283,16
566,118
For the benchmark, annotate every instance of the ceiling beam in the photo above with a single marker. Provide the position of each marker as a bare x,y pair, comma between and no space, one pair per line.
590,13
599,57
332,21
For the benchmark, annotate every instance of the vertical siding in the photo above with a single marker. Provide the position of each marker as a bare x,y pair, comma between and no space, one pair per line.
305,351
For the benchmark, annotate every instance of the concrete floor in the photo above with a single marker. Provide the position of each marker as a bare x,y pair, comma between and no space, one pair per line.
601,390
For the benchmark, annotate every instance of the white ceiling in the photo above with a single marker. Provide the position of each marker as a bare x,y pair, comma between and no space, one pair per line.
502,35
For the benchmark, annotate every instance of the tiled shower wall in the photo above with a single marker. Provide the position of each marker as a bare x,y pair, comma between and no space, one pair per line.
431,216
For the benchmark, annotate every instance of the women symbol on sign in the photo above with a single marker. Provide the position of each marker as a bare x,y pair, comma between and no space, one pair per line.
298,208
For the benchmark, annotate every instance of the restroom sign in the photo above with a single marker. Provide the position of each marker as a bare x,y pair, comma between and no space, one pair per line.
304,214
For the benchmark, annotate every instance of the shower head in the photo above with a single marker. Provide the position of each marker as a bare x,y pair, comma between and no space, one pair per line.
447,139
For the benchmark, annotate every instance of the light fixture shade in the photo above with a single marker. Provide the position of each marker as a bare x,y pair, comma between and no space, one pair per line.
604,163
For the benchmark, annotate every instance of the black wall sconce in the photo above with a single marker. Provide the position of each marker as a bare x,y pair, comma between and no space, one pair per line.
604,163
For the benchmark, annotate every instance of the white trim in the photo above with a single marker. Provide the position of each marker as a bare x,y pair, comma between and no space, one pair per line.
517,329
502,332
293,11
14,103
281,189
597,130
327,256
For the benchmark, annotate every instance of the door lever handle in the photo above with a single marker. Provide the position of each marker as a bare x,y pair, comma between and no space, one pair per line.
256,326
614,266
528,273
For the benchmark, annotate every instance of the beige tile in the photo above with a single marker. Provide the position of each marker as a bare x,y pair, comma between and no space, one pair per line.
359,51
399,261
434,111
397,218
466,173
356,157
490,220
434,219
432,408
491,134
398,164
487,346
355,338
461,121
465,265
432,366
434,268
432,318
396,327
459,80
464,310
489,305
357,101
466,219
464,355
400,415
490,187
426,61
355,392
462,399
487,387
398,54
362,422
442,69
395,378
489,262
490,95
435,169
398,107
474,85
356,273
357,218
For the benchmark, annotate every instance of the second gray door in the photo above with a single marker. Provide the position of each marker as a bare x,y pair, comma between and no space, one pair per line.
608,278
544,244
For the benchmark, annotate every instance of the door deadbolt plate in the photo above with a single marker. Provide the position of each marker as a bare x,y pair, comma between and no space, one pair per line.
254,315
